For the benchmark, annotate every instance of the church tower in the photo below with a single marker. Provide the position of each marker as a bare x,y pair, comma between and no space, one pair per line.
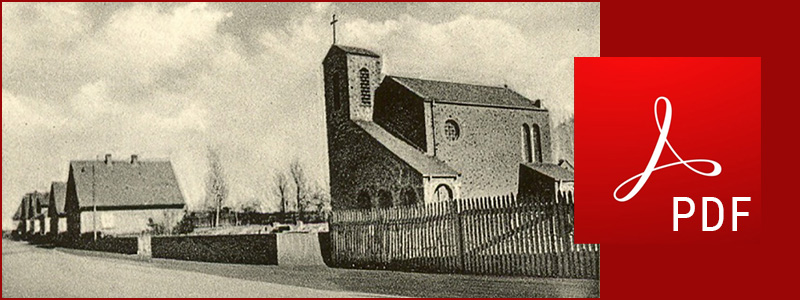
351,77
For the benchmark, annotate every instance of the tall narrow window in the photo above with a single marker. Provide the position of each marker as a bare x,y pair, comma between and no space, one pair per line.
366,95
526,143
537,143
336,90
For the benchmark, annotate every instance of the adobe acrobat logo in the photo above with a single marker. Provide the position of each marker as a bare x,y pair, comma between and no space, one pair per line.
651,167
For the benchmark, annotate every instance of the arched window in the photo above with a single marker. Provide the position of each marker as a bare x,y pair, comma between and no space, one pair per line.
408,196
537,143
366,94
442,193
526,143
385,199
364,199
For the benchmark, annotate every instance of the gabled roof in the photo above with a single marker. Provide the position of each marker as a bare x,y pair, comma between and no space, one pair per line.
18,213
58,192
43,199
355,50
33,199
126,184
451,92
424,164
552,170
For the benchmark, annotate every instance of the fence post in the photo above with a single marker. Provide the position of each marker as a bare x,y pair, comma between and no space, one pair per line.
144,249
456,213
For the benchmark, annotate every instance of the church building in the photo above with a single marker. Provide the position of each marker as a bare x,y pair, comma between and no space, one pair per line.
399,141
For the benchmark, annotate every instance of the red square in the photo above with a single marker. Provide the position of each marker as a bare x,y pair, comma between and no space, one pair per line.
715,115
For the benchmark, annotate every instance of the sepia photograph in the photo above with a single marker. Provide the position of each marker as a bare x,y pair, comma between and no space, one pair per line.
276,150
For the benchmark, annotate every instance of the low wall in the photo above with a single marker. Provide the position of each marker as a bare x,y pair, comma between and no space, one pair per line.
299,249
239,249
122,245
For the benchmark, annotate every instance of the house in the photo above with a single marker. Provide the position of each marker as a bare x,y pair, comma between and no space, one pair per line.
29,214
56,213
395,140
19,219
41,216
122,197
542,182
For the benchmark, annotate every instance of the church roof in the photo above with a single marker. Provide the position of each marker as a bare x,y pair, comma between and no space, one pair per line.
126,184
425,164
355,50
552,170
58,192
442,91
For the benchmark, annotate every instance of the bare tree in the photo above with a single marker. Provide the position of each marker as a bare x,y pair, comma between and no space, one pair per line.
216,187
319,199
281,190
297,171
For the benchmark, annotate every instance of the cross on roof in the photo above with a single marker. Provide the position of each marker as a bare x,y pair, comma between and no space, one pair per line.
333,24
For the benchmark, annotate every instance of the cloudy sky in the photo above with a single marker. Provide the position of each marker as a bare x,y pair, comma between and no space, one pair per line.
166,80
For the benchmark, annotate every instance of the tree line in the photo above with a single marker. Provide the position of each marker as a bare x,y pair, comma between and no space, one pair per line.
295,194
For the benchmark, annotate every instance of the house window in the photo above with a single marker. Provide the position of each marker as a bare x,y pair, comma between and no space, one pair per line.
526,143
451,130
442,193
366,97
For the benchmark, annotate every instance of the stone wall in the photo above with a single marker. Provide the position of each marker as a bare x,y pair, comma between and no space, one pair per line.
360,166
489,149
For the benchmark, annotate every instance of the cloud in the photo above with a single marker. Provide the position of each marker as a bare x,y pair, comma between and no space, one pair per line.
166,80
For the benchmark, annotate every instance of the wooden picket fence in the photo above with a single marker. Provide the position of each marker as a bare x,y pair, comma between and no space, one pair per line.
495,235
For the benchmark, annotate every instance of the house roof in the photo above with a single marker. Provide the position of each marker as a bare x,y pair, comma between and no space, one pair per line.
355,50
427,165
58,193
552,170
18,213
43,199
122,183
451,92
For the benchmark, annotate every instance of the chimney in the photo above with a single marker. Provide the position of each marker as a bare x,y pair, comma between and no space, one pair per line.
134,159
108,159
